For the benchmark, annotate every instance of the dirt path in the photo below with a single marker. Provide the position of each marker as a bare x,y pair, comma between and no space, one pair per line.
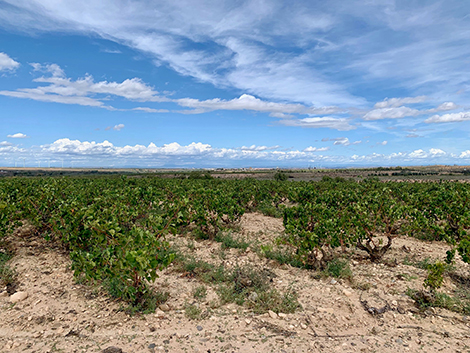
61,316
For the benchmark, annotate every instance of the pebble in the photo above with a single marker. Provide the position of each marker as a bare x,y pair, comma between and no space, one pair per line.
165,307
282,315
18,297
199,328
248,321
253,296
4,294
347,292
160,314
112,349
333,281
272,314
303,326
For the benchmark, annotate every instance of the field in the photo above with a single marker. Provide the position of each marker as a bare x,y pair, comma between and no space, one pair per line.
207,262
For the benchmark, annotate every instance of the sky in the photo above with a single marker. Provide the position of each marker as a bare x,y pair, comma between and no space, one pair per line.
191,84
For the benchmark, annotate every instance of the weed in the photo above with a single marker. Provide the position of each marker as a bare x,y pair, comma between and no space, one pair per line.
8,275
146,302
425,299
281,256
193,312
200,292
228,241
435,275
338,268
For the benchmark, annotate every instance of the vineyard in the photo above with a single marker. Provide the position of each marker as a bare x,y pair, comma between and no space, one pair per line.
116,230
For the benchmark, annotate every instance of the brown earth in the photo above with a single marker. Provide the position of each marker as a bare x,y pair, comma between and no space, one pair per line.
60,315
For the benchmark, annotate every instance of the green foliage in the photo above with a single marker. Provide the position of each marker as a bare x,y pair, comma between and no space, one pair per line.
228,241
435,275
338,268
192,311
200,292
282,256
280,176
8,276
115,227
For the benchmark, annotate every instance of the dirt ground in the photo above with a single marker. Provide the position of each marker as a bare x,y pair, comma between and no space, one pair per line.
60,315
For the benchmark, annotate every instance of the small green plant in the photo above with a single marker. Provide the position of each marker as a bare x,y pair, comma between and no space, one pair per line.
435,276
200,292
228,241
282,256
338,268
192,311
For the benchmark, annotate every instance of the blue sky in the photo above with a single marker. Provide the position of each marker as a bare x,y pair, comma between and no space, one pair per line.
142,83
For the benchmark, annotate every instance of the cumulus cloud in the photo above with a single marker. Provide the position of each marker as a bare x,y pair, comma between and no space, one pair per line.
444,107
117,127
7,63
5,143
18,135
449,118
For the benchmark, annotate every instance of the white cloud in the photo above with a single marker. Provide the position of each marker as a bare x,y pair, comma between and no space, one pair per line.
83,91
229,46
259,148
465,154
118,127
342,141
383,143
315,149
18,135
340,124
7,63
5,143
249,102
444,107
449,118
151,110
436,152
397,102
54,69
390,113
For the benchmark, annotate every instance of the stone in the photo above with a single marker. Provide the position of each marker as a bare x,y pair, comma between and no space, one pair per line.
333,281
248,321
18,297
160,314
253,296
303,326
4,294
394,303
347,293
152,346
272,314
112,349
165,307
199,328
282,315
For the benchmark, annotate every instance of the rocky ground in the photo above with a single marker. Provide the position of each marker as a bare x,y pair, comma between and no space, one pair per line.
59,315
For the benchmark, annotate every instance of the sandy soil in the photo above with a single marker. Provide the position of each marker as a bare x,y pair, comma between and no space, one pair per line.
60,315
